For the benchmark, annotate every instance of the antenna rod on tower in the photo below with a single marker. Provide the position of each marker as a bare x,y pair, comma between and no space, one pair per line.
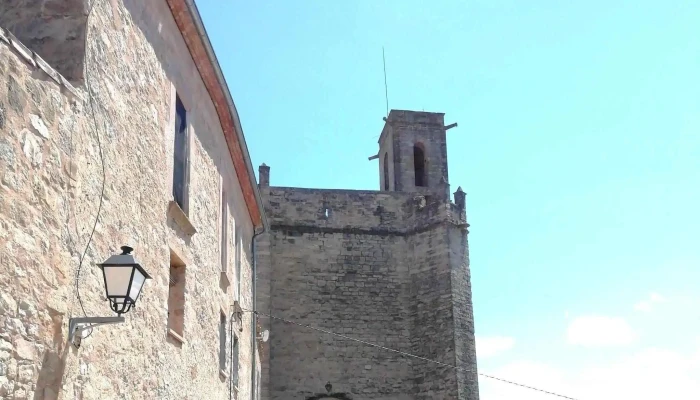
386,90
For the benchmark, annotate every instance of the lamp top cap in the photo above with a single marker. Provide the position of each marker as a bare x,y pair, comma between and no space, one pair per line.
126,259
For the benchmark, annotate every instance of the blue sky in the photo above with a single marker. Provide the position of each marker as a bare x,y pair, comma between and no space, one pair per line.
578,146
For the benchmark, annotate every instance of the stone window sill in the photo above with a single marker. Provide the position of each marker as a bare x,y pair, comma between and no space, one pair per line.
180,218
176,336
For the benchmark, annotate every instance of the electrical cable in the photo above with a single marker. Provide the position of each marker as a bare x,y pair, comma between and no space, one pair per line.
403,353
102,161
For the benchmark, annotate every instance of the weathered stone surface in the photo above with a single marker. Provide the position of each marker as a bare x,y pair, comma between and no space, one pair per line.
16,96
32,148
25,350
8,305
39,126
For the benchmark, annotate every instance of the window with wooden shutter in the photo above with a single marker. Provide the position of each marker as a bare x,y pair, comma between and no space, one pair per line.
234,362
239,252
180,155
224,230
222,341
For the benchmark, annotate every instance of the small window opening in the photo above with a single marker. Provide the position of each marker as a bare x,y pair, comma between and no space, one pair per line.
238,242
176,296
419,165
234,362
326,212
224,231
386,171
180,155
222,341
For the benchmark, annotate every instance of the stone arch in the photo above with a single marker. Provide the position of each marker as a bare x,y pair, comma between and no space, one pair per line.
326,396
419,167
53,29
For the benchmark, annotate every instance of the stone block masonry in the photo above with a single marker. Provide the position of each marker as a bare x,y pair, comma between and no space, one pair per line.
385,267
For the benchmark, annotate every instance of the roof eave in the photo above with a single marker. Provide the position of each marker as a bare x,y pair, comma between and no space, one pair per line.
231,107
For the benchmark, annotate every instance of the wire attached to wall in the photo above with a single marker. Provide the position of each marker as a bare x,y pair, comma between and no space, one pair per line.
403,353
102,162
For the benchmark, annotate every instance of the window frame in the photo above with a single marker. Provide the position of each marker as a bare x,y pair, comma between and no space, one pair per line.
223,226
223,342
238,241
181,154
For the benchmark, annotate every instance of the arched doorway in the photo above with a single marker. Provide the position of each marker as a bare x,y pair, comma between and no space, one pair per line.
326,396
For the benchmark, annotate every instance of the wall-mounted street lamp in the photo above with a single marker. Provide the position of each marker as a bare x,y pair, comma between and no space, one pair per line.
124,278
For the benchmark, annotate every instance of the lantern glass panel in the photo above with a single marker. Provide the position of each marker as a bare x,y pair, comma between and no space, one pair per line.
117,279
136,284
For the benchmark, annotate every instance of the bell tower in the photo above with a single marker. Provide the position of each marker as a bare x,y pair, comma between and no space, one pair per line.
413,152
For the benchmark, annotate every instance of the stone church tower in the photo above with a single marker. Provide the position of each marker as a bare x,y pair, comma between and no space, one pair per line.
390,267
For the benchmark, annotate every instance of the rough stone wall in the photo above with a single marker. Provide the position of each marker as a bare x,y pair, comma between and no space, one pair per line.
50,184
378,269
264,278
337,273
465,349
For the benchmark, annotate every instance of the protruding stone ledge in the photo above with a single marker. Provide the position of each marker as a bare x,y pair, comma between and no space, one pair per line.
33,59
180,218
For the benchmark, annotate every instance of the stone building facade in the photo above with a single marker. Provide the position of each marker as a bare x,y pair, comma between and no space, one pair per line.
121,120
390,267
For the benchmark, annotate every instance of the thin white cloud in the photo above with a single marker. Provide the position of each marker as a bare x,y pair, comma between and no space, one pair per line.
490,346
600,331
657,298
647,304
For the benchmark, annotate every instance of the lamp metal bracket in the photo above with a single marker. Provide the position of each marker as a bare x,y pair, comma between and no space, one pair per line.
77,325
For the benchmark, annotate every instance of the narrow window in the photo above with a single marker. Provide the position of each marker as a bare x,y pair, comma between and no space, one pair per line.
419,165
234,362
180,155
386,171
258,384
176,298
222,342
224,230
239,253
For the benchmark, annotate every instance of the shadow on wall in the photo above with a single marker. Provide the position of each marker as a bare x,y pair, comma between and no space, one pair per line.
50,380
54,29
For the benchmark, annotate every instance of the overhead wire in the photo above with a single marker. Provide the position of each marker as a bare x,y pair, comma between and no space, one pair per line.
403,353
102,162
